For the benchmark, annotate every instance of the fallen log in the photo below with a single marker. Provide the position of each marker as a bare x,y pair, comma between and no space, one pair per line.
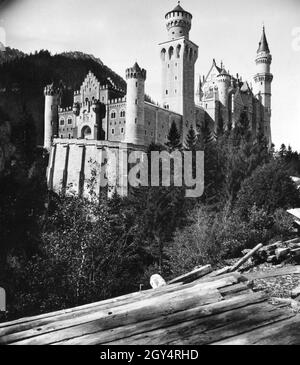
205,330
282,253
245,258
192,275
129,313
118,333
285,332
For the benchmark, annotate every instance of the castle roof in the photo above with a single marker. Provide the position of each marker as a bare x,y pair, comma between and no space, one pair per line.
136,67
263,44
178,8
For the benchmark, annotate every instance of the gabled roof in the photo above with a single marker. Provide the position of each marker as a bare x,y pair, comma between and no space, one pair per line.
214,65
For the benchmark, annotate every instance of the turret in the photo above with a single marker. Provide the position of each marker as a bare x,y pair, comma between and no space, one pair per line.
263,80
100,111
135,105
224,81
178,22
52,101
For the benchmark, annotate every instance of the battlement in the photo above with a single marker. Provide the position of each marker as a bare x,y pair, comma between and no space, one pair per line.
51,90
136,72
117,101
64,110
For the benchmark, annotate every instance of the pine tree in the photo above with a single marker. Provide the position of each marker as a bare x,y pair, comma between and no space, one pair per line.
191,140
174,138
282,151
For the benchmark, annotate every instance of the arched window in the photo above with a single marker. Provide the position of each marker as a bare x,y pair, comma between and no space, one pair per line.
69,121
171,52
178,48
62,122
163,54
122,114
113,114
86,132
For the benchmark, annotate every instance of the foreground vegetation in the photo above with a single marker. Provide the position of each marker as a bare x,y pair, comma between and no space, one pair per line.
60,251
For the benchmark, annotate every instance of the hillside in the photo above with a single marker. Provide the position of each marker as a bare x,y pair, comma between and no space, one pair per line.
8,54
23,77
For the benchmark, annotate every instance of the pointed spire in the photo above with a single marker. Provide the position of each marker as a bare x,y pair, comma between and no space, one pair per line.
263,44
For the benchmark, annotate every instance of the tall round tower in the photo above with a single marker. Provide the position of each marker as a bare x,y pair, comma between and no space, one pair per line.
135,105
178,22
224,80
263,80
52,101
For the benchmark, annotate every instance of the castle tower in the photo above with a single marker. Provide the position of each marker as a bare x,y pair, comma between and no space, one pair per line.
52,101
135,105
178,57
223,80
263,80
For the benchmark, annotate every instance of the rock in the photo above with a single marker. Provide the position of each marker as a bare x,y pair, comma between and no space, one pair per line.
156,281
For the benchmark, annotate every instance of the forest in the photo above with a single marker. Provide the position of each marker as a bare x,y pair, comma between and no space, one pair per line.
59,251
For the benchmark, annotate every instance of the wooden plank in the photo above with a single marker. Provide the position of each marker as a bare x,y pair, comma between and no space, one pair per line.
258,317
13,327
86,336
123,316
246,257
193,275
285,332
133,312
181,333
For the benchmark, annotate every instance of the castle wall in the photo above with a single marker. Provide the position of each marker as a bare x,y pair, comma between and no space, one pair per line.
76,166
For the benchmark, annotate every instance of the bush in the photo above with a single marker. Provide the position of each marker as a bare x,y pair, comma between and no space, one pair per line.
269,188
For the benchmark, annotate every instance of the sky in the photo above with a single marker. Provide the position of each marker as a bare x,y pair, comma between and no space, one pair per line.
121,32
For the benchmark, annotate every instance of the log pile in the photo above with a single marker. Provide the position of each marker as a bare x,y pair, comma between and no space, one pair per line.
201,307
278,252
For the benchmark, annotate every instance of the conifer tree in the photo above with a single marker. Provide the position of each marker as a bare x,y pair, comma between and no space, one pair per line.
174,138
191,140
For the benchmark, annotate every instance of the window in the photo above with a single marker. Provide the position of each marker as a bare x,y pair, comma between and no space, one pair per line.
61,136
122,130
113,115
122,114
135,101
69,121
113,131
136,84
145,133
135,121
167,92
62,122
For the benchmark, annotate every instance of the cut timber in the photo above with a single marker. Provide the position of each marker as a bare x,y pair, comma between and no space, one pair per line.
42,320
282,252
157,323
196,332
193,275
285,332
204,293
219,272
246,257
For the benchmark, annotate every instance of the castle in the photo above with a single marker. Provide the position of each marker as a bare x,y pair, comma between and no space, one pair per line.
105,118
